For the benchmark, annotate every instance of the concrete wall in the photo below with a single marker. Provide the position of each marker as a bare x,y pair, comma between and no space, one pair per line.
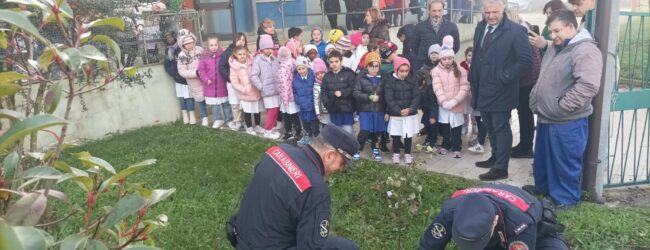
120,108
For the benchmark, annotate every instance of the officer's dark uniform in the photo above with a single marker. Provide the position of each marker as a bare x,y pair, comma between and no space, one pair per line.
468,216
289,207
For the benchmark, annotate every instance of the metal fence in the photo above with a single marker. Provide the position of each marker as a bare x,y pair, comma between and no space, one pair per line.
629,144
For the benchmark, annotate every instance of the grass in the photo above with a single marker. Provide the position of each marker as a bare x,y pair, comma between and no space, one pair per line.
210,170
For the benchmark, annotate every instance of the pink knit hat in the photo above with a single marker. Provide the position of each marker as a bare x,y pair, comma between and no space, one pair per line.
318,65
399,61
266,42
355,38
447,47
284,54
294,47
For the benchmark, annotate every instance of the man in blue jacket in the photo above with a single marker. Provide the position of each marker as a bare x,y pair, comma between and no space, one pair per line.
501,55
430,32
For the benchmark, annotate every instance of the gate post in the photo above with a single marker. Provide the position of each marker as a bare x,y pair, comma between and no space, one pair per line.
596,158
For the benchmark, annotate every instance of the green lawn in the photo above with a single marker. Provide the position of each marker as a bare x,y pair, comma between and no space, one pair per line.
210,170
633,49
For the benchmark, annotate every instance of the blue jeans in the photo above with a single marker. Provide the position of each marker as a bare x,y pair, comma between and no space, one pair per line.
557,167
203,109
187,104
227,112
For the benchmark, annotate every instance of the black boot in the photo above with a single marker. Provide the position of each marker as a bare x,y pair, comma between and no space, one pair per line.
486,164
494,174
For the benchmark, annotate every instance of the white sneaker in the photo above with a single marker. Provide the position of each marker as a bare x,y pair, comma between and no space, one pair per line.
250,131
270,134
259,129
233,126
476,149
186,117
217,124
205,122
279,126
192,116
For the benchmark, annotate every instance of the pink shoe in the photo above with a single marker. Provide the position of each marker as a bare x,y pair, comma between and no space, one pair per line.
396,159
442,151
408,159
457,154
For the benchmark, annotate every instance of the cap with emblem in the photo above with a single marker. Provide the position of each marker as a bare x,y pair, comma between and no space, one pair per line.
472,225
387,49
340,139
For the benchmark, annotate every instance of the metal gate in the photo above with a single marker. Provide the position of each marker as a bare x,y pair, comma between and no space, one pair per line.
629,130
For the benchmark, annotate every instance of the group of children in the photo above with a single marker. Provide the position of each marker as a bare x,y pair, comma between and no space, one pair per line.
345,79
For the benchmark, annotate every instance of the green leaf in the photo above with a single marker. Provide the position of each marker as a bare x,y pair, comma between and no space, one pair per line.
158,195
111,44
130,71
46,58
128,205
90,52
32,238
12,77
55,93
20,20
95,245
91,161
72,58
28,2
74,242
11,114
141,247
28,210
42,173
62,166
65,9
9,164
8,238
126,172
28,126
80,177
3,40
9,89
115,22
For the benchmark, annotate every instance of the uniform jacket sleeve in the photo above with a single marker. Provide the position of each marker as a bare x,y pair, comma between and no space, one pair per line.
313,223
528,237
587,73
438,233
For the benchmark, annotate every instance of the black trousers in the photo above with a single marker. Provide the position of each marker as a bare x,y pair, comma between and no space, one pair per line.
526,121
397,142
482,131
333,21
432,133
291,123
451,137
498,126
249,120
364,135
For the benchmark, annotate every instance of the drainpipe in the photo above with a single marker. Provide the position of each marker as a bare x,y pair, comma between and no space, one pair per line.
254,13
596,157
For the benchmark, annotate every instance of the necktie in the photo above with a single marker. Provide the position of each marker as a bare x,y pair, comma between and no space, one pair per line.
488,37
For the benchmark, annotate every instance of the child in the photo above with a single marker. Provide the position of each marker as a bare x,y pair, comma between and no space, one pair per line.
214,85
303,93
319,68
343,45
295,33
249,97
182,92
224,69
264,76
428,100
188,68
267,27
451,87
336,95
317,40
294,47
476,144
388,54
402,101
311,53
289,108
361,48
468,108
370,105
372,47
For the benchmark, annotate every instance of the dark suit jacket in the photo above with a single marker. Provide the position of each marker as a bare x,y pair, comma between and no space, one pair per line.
424,36
498,65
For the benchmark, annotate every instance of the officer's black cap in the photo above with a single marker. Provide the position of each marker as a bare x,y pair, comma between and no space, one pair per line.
472,225
340,139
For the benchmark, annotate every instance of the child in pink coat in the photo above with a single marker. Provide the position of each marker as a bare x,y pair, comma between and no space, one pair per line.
451,87
250,98
288,107
214,85
188,68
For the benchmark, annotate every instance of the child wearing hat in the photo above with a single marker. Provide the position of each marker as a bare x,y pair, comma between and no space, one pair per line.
289,109
182,91
336,95
295,47
344,46
264,76
214,85
317,40
388,52
451,87
360,44
370,104
250,99
188,68
402,101
428,100
303,93
310,52
320,68
267,27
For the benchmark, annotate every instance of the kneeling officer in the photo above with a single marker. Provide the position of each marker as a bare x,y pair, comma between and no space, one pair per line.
495,216
287,203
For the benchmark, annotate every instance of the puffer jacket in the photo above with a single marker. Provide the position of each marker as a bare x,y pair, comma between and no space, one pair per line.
224,64
241,80
188,67
342,81
401,94
448,87
363,88
303,91
208,71
264,75
428,100
285,81
171,65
